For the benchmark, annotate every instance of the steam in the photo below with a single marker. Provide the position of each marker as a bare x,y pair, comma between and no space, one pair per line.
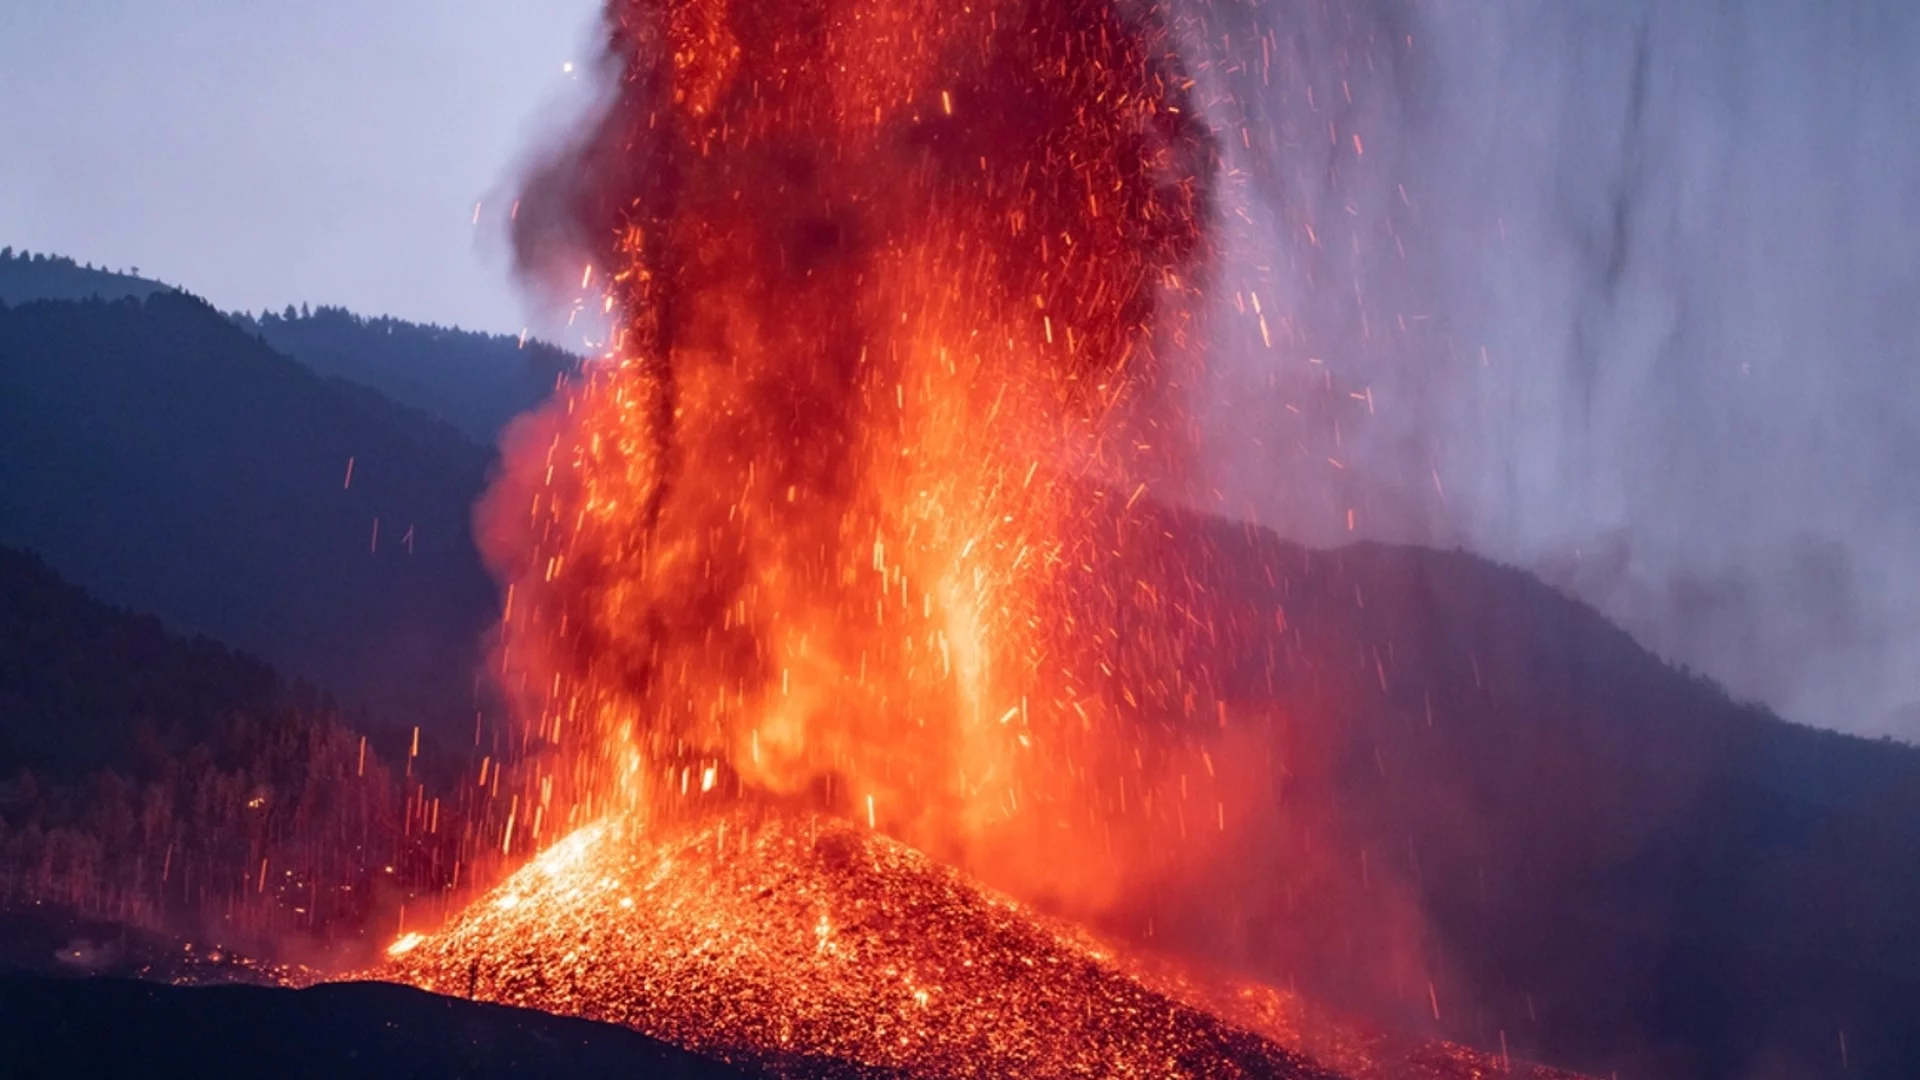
1618,291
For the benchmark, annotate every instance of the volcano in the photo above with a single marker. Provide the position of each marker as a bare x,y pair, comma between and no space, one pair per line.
845,529
783,940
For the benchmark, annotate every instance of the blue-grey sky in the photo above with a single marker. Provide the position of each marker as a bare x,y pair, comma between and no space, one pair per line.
261,154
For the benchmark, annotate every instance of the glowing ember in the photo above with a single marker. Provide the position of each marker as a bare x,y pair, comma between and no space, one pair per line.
905,296
901,284
786,939
774,938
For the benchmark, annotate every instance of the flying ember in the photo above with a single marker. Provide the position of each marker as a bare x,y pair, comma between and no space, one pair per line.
905,302
793,940
906,305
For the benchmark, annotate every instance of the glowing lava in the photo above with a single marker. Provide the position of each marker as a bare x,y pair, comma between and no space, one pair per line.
816,947
783,938
828,548
902,287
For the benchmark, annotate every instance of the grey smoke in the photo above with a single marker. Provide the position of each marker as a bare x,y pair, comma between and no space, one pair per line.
1623,291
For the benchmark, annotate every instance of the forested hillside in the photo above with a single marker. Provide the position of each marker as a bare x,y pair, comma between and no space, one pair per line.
169,461
28,276
476,382
175,784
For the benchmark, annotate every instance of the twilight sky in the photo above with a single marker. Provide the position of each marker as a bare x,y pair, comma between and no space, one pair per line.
261,154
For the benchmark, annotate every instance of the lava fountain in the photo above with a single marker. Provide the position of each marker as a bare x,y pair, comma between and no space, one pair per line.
905,314
819,567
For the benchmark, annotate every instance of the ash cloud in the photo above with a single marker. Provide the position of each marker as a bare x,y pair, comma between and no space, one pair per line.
1620,292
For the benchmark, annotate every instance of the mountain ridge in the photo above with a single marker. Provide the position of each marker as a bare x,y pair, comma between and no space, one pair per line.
168,461
1612,864
473,381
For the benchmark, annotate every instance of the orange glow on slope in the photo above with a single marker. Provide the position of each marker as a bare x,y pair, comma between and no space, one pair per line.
777,939
814,947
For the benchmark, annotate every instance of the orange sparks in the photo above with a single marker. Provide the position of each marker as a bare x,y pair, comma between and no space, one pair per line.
850,517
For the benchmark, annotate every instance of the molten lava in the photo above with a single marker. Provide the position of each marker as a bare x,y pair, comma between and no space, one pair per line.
829,547
903,289
815,947
785,938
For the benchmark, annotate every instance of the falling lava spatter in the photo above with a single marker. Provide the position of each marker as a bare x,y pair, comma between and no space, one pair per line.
905,295
905,302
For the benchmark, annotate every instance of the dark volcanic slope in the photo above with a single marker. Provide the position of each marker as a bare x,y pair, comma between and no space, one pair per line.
165,460
1611,861
55,1029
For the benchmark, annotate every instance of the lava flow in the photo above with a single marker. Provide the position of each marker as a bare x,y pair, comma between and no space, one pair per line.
811,946
780,939
820,560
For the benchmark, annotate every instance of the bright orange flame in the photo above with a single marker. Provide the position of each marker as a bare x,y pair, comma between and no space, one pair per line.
905,289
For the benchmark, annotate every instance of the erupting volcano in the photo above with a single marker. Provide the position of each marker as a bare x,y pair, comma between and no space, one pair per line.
824,558
902,292
786,938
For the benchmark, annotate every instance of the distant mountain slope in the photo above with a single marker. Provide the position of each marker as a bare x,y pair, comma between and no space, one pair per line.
27,276
149,779
167,460
476,382
1614,865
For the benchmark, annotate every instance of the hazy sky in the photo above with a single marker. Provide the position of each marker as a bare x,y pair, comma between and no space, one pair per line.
261,153
1626,292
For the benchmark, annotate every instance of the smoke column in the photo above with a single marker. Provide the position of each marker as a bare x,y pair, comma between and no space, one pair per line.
1621,292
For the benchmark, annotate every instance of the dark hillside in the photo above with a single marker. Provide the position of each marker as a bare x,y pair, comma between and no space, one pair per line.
175,785
166,460
26,276
475,382
56,1028
82,685
1615,865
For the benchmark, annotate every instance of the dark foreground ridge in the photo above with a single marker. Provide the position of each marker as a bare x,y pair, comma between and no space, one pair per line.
53,1027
